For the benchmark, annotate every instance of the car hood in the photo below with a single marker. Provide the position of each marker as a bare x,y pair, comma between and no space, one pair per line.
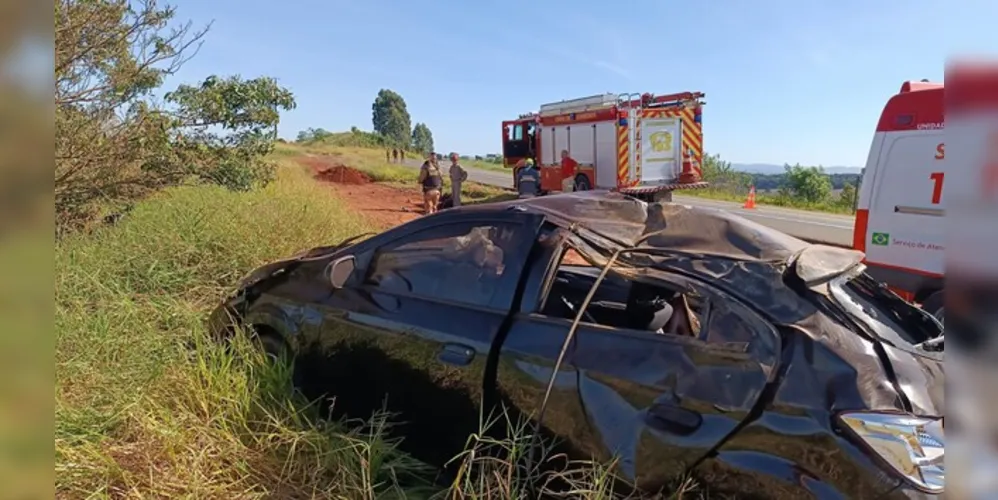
275,268
921,378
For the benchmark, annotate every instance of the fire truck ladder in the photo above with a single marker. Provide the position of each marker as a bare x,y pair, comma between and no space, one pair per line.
625,102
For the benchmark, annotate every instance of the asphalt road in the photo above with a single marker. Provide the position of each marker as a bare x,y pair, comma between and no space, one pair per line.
812,226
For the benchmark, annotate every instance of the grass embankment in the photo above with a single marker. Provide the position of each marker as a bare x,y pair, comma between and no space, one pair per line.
363,149
774,200
373,142
146,408
143,406
372,162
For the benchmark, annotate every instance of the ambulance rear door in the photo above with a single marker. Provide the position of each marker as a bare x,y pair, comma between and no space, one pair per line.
907,203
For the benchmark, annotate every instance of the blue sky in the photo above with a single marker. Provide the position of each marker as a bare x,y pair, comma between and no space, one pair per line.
786,81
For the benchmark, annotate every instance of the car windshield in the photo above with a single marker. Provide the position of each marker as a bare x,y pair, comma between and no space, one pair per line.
889,316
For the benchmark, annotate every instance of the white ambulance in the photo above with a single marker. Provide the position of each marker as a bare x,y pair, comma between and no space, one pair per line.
901,209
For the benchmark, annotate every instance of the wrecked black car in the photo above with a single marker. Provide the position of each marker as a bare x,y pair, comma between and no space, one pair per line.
674,340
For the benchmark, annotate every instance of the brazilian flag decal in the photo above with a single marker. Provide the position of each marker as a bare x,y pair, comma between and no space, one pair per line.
881,239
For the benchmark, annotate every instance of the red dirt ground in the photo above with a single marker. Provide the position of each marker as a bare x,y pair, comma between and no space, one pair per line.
342,174
327,169
384,206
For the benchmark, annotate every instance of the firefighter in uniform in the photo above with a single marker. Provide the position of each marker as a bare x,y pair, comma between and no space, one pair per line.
528,179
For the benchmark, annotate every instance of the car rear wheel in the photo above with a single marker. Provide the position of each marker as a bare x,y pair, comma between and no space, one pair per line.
582,183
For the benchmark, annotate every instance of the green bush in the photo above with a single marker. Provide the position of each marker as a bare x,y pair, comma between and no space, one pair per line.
355,138
806,188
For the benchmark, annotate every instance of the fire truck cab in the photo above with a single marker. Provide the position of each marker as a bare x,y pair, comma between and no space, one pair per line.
639,144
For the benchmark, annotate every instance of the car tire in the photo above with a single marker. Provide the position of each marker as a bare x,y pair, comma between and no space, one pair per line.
935,305
582,183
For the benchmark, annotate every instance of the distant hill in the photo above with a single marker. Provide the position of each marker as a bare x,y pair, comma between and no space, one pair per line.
768,168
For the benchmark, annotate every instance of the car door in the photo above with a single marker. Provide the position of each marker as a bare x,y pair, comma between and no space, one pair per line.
411,331
656,403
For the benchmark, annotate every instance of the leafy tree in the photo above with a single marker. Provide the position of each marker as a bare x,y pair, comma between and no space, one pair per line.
422,138
391,118
714,167
114,142
847,197
244,112
721,175
769,182
314,134
808,184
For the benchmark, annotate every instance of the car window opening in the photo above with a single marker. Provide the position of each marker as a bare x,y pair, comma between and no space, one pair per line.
464,267
621,301
887,315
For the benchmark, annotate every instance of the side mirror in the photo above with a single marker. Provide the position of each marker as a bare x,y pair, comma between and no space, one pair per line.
340,270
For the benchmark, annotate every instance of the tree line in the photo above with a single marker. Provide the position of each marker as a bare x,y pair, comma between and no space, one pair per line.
797,185
772,182
392,126
115,142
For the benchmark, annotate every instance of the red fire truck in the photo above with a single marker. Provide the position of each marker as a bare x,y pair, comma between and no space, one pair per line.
640,144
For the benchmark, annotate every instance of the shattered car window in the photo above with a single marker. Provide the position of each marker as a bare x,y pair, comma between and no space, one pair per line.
733,325
888,315
463,267
661,307
619,302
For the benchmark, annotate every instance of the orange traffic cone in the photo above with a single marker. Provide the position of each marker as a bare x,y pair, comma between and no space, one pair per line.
750,201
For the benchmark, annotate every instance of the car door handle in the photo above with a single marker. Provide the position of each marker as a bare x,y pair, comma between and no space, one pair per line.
456,354
673,419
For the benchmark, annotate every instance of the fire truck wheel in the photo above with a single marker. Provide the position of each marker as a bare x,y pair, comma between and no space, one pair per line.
934,305
582,183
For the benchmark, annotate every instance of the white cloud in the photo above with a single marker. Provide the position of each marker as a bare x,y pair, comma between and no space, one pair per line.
578,57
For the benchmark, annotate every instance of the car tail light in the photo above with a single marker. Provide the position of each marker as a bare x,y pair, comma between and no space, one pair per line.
913,446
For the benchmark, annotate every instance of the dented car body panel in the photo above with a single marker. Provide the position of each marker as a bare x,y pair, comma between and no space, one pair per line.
465,312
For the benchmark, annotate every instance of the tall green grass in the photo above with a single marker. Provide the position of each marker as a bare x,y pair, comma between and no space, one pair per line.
146,407
143,407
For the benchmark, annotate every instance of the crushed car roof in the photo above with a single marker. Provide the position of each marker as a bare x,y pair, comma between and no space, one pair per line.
629,221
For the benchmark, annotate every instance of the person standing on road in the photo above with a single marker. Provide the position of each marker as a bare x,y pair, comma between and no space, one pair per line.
432,181
568,166
528,179
395,155
457,177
